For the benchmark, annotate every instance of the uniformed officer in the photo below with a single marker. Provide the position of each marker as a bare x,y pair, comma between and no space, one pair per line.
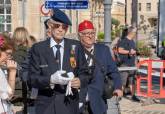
91,99
51,60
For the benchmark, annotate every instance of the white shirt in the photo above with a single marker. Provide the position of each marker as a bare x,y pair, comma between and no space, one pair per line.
52,45
5,90
86,56
90,64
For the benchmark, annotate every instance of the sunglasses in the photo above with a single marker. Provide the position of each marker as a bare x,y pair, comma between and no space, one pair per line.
56,26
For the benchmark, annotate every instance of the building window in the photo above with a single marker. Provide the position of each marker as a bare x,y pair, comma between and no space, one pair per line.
140,6
5,15
148,6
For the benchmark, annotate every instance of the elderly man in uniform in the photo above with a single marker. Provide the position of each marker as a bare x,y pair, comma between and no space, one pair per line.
54,68
92,100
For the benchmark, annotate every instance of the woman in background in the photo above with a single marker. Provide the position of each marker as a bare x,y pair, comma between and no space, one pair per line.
7,82
20,37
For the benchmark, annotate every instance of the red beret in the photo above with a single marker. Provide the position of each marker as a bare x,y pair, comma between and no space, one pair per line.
85,25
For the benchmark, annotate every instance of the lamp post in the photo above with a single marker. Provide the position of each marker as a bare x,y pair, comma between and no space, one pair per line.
23,13
107,21
125,12
134,20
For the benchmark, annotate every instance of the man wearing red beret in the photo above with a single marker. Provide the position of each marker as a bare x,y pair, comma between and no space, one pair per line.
92,101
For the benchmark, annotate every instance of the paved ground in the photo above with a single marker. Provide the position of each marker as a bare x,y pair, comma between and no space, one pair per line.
126,107
129,107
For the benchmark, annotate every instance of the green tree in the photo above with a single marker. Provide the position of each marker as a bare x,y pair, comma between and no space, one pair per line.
115,22
100,37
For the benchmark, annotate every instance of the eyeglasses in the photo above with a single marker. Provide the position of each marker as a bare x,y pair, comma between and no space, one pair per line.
87,33
56,26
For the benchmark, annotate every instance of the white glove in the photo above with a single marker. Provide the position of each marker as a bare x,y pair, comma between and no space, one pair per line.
80,105
69,89
57,78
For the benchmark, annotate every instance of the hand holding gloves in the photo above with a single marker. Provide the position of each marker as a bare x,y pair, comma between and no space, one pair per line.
69,89
57,78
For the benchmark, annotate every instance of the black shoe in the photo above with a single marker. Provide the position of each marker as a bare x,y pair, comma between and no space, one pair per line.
135,99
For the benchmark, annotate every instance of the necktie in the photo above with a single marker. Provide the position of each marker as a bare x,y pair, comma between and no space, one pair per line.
89,58
58,56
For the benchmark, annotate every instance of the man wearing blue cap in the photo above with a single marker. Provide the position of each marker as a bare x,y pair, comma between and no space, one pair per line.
54,65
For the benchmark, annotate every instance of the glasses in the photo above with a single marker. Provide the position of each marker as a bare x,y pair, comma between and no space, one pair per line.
56,26
87,33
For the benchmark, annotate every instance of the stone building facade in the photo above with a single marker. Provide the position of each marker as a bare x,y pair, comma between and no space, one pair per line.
27,13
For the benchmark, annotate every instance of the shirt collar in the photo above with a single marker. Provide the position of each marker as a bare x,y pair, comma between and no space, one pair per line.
91,50
53,43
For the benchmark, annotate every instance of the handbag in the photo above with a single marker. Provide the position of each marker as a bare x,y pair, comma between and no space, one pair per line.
108,81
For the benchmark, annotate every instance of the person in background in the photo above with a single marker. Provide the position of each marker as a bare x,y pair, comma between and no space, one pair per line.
127,53
7,80
91,100
25,63
20,38
54,65
23,72
114,46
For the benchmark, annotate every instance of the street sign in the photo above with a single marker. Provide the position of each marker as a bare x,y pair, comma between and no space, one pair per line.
66,4
44,11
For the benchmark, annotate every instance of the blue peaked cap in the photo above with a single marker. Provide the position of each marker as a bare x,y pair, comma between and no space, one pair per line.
60,16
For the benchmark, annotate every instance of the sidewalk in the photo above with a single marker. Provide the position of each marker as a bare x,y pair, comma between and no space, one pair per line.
129,107
126,107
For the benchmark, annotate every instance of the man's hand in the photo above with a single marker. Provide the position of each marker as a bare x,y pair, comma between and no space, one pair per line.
118,92
132,52
11,65
57,78
75,83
